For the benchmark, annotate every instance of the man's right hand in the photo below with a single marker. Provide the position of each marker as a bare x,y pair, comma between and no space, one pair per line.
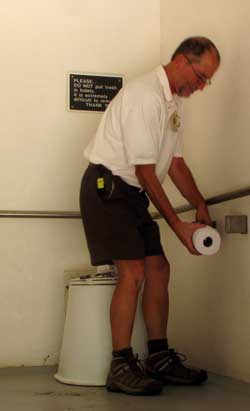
184,232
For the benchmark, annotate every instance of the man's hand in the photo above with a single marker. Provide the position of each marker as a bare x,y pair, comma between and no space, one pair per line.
184,232
182,177
202,215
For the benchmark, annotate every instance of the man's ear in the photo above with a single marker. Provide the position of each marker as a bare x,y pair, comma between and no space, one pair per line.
180,60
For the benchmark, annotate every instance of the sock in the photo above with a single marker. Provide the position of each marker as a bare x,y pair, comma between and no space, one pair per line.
125,353
157,345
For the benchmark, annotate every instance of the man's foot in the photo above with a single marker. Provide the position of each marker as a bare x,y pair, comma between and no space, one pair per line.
166,366
127,375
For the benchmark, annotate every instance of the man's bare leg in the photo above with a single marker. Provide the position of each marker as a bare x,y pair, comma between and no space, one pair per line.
124,301
155,297
126,374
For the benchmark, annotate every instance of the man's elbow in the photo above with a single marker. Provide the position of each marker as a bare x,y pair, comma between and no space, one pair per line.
177,166
144,171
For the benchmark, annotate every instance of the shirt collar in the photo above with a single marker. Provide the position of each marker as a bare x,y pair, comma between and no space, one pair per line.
165,83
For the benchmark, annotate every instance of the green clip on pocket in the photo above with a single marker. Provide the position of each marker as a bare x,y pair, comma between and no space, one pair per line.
100,183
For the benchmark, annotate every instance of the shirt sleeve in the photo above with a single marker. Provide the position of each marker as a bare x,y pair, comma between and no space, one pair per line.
179,146
141,130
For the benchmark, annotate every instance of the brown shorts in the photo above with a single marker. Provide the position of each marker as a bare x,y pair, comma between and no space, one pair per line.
115,217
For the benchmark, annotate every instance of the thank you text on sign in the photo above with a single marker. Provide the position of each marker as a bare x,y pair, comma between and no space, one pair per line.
89,92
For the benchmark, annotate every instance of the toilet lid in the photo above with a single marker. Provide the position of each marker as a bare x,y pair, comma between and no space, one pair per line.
98,279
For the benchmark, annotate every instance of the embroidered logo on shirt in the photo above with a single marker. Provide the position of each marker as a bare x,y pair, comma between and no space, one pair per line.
175,121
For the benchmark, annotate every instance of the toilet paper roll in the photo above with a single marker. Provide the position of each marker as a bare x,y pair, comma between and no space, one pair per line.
206,240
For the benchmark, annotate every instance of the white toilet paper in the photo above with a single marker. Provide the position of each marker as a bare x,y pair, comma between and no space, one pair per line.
206,240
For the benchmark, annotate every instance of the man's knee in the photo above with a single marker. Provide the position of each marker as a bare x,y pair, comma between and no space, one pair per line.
163,271
134,280
158,269
139,279
132,273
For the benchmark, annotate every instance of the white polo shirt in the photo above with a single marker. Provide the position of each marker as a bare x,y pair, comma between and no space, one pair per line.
142,125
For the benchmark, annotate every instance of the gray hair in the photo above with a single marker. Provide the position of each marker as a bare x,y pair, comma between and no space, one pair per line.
196,46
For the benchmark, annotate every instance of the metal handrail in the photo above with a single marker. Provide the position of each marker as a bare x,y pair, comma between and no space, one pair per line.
155,215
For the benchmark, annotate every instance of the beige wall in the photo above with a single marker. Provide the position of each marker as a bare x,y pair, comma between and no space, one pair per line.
42,163
42,147
210,295
41,42
34,255
217,140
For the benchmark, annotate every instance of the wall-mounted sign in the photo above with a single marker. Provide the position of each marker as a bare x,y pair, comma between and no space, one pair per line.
90,92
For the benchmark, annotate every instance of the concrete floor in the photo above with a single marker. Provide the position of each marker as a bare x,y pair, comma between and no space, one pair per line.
35,389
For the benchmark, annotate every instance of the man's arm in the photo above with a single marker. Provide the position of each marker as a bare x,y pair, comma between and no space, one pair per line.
149,181
183,179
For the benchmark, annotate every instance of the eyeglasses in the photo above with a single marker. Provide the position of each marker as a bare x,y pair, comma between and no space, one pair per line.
203,79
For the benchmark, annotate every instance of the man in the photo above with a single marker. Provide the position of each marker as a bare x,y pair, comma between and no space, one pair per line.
137,143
